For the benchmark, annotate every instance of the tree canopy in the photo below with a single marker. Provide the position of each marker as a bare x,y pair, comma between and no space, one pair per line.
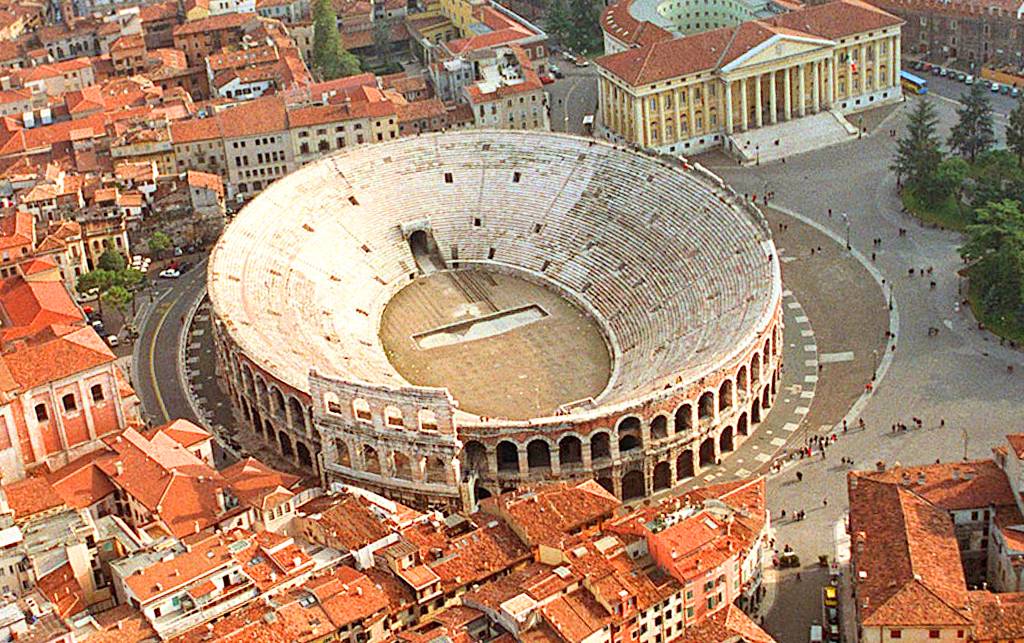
973,134
575,25
995,248
919,154
330,58
1015,130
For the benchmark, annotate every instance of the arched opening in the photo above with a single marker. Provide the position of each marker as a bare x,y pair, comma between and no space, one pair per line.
298,414
393,417
755,411
741,425
741,380
600,447
766,400
570,451
706,406
481,492
725,395
508,456
632,485
305,459
707,452
403,465
360,409
659,427
725,440
344,459
607,484
276,402
684,419
268,428
629,434
662,476
427,419
476,456
437,470
286,444
246,410
684,465
371,461
538,455
755,368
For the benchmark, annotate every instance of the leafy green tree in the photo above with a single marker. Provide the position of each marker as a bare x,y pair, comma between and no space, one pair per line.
557,21
973,134
105,280
995,247
949,178
918,153
111,260
382,41
584,25
158,243
330,59
995,176
119,297
1015,130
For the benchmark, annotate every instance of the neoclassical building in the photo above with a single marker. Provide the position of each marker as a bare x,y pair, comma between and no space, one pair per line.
688,94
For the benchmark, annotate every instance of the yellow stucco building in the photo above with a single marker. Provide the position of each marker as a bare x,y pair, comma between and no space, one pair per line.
688,94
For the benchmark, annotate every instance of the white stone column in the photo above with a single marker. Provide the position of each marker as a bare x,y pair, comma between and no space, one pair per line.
787,87
816,86
728,107
691,124
773,104
638,121
801,96
878,65
833,80
744,106
758,105
896,53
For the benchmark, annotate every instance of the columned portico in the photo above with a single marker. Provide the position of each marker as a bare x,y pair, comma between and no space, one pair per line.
816,86
758,110
788,92
801,92
728,107
744,106
773,106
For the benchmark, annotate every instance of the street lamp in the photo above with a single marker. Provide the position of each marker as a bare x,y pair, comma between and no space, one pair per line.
846,220
874,368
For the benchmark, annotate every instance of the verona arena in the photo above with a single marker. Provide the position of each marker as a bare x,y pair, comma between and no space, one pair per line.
527,256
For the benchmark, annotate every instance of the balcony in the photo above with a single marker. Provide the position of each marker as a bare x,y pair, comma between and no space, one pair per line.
179,622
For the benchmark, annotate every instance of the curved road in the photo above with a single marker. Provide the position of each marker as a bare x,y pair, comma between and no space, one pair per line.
156,371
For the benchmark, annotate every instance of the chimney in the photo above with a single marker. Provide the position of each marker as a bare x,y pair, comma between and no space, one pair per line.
359,591
221,501
921,478
118,468
956,474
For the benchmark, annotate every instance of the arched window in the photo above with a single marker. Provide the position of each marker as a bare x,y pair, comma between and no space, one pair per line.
659,427
706,406
684,418
42,415
68,402
393,416
96,391
428,420
538,454
361,410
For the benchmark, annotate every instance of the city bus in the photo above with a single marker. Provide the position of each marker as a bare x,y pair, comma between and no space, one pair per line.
912,83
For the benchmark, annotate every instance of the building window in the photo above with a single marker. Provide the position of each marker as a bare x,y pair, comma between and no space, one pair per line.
41,414
895,634
97,392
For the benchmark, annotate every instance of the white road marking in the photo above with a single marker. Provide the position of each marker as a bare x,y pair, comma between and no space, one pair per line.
834,358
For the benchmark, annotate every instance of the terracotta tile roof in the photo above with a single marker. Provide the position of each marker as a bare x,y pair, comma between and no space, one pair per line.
183,432
837,19
16,229
348,596
31,496
69,351
1016,441
123,624
419,109
575,616
259,486
63,590
158,11
203,558
348,519
32,306
197,129
728,625
669,58
215,23
205,180
81,483
997,617
953,486
37,266
547,514
475,556
905,557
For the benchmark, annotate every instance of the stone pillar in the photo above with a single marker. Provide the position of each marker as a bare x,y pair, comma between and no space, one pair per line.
816,86
896,53
672,468
744,106
556,462
524,462
832,81
84,394
758,106
773,105
616,485
787,90
801,96
695,458
728,107
878,65
587,462
638,122
691,124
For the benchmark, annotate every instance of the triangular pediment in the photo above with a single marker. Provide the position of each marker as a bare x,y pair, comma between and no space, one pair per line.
778,48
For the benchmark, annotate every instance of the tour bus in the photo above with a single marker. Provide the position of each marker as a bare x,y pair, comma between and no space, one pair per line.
912,83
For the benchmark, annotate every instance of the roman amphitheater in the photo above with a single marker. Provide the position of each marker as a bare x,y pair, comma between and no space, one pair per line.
447,316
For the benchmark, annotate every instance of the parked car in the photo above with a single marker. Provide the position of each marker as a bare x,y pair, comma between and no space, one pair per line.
546,80
832,614
170,273
184,267
1015,92
995,88
936,70
961,76
1004,89
969,80
97,326
112,340
830,596
555,71
582,62
178,252
944,72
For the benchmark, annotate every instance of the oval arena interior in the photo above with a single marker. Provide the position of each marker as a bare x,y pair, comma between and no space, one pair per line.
447,316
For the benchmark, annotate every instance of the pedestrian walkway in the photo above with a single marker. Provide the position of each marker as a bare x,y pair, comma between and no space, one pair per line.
771,143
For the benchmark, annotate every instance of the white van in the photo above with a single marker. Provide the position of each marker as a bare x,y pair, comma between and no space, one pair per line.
816,634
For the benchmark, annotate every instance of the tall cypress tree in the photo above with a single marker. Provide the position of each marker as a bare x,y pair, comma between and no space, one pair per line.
1015,131
330,59
973,135
918,153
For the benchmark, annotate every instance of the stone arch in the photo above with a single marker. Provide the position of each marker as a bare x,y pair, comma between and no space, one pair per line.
402,465
570,450
276,401
480,492
436,469
332,404
742,386
662,476
476,456
247,380
360,410
755,369
755,411
707,452
630,436
684,465
659,427
393,417
305,457
725,395
344,458
706,406
427,420
538,454
371,460
246,409
298,414
607,484
684,419
261,388
766,400
632,485
725,441
600,446
269,430
508,456
741,425
286,444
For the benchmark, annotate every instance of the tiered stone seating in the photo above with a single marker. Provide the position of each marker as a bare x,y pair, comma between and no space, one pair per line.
670,262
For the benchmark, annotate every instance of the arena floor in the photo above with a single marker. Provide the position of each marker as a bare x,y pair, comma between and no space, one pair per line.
502,345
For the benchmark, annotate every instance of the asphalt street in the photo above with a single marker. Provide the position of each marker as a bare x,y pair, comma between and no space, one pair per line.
572,97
